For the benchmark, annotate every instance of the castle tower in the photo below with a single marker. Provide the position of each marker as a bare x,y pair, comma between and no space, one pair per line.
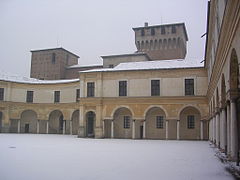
51,64
162,42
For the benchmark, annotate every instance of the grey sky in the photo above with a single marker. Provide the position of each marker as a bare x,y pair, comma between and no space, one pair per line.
90,28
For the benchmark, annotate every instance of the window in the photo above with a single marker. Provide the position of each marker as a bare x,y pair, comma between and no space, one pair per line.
152,32
173,29
126,123
1,94
142,32
189,86
155,87
159,122
56,96
77,94
110,66
90,89
29,98
190,122
122,88
163,30
53,58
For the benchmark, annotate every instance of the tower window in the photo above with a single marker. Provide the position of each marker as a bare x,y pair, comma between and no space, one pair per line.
142,32
155,87
90,89
56,96
163,30
29,98
174,29
152,32
53,58
122,88
189,86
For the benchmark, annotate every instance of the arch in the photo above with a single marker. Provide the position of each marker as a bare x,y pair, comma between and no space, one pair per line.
28,121
223,91
155,106
190,105
190,123
56,122
174,43
217,98
214,107
169,43
118,107
155,123
151,45
123,123
138,45
160,44
75,122
146,45
164,44
90,124
142,45
155,44
1,120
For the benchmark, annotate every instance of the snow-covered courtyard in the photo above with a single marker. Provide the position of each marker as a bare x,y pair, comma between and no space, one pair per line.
65,157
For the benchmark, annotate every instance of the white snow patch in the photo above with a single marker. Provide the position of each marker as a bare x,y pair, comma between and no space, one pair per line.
6,76
62,157
153,65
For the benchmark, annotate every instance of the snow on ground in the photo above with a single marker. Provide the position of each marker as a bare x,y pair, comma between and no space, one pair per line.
65,157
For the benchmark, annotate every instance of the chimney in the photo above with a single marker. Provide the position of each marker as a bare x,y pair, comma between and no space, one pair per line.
146,24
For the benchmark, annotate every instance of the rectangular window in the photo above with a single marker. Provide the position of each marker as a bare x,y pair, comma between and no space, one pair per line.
190,122
152,32
77,94
142,32
1,94
174,29
155,87
126,123
159,122
122,88
163,30
56,96
189,86
90,89
29,98
110,66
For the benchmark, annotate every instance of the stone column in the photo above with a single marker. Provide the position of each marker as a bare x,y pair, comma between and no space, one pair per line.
81,130
178,129
166,129
210,130
234,136
19,126
224,130
47,128
70,126
217,130
228,130
144,129
214,129
64,126
37,126
133,129
201,129
112,129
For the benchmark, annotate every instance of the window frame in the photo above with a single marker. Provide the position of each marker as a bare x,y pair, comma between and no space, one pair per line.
122,89
1,94
57,95
90,89
191,122
77,94
29,96
126,122
159,122
187,85
163,30
155,90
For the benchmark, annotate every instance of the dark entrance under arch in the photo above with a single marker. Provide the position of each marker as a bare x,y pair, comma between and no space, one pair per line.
1,117
90,124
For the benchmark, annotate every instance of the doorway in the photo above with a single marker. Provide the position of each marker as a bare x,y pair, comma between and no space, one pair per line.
141,132
26,128
90,124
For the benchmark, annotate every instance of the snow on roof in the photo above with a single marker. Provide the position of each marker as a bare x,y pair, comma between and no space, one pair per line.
83,66
152,65
6,76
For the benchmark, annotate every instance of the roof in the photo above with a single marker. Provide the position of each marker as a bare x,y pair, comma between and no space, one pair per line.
125,55
152,65
84,66
51,49
156,26
5,76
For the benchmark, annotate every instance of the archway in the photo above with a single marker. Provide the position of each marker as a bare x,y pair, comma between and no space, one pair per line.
1,119
75,122
28,122
155,123
56,122
122,123
190,123
90,122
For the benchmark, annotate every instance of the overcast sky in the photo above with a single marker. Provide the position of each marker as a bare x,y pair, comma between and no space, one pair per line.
90,28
